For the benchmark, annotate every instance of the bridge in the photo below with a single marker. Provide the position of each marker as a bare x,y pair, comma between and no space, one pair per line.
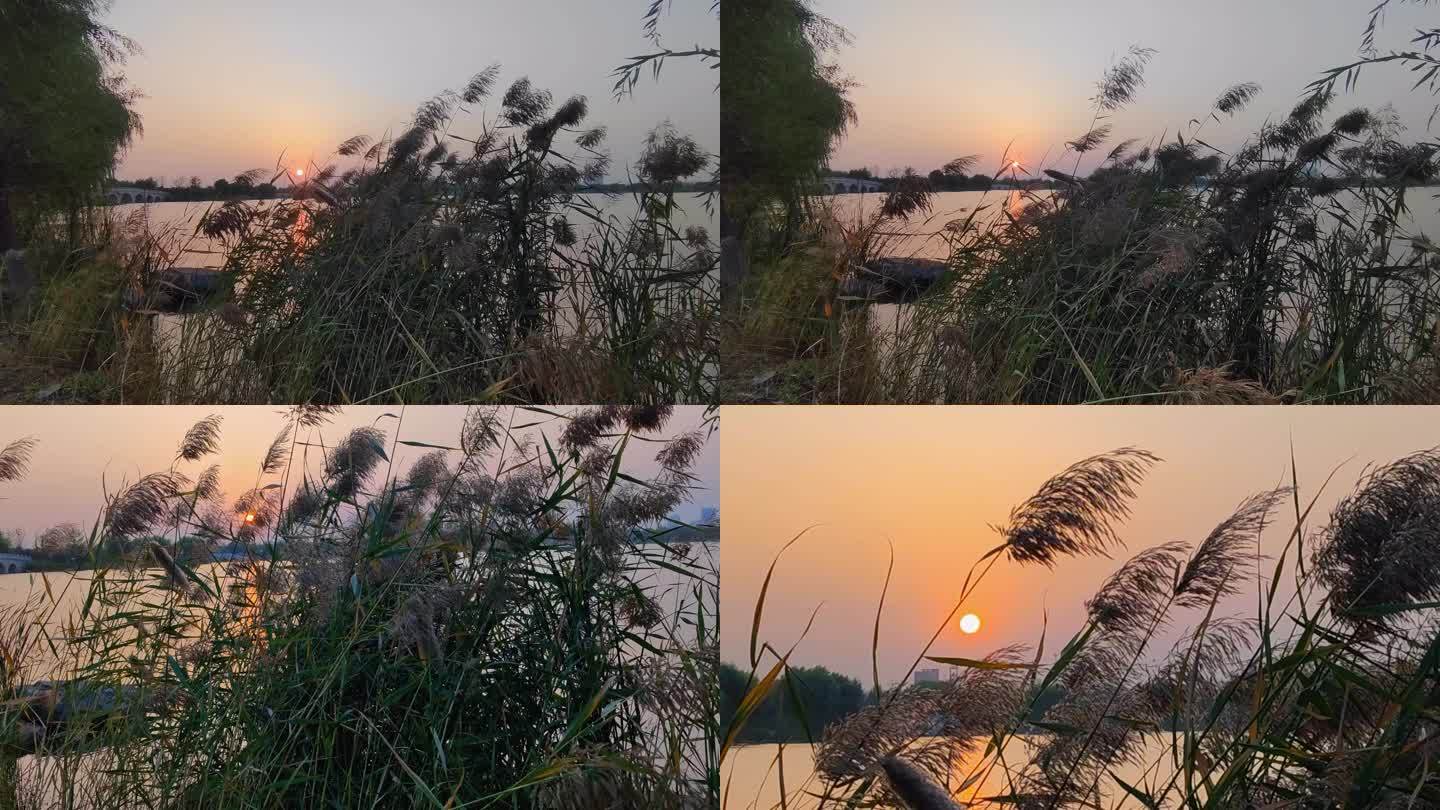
120,195
14,563
848,185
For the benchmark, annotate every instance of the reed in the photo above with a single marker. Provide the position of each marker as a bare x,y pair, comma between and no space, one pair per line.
457,262
1319,695
1284,271
499,625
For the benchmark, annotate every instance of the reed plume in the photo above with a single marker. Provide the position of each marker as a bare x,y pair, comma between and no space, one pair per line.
1226,553
311,415
590,425
176,579
278,453
932,728
680,452
1193,675
1071,514
1382,544
143,504
1136,596
1091,139
914,787
15,459
1123,79
207,486
352,461
481,431
202,439
1236,97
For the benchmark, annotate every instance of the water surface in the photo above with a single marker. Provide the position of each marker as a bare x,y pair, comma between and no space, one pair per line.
750,776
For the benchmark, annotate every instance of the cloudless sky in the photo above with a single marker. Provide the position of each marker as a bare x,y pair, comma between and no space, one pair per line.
83,452
231,86
932,480
959,77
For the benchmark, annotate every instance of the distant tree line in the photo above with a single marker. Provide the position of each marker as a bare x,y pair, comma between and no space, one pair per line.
798,708
241,187
1202,167
699,187
808,699
244,187
950,180
67,547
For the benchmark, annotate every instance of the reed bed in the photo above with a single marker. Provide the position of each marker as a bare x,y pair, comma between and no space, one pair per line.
499,625
1320,695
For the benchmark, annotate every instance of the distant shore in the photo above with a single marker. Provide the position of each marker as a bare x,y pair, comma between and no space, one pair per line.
208,194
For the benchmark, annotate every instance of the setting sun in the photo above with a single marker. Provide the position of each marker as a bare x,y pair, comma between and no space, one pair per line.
299,172
969,623
250,518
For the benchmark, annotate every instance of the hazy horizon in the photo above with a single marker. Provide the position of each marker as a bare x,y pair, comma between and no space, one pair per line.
933,480
938,81
231,87
84,452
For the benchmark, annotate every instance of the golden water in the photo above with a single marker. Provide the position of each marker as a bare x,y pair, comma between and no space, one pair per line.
750,777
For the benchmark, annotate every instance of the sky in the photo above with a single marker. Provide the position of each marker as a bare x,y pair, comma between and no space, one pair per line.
933,480
960,77
232,86
83,452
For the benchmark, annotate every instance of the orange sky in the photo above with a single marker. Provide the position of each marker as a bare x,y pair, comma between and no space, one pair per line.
932,480
83,452
937,80
230,87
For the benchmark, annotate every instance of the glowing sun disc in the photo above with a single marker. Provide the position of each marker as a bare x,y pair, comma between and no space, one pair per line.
299,172
969,623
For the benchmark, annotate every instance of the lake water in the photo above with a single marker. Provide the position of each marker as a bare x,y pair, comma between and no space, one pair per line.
923,234
197,250
53,601
750,776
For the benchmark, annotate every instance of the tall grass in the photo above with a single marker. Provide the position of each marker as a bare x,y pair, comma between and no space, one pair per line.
1321,695
493,627
1284,271
455,262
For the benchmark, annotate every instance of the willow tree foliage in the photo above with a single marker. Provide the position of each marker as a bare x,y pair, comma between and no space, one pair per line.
64,113
783,112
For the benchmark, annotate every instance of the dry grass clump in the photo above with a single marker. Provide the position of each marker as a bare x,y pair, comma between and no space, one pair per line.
1216,386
